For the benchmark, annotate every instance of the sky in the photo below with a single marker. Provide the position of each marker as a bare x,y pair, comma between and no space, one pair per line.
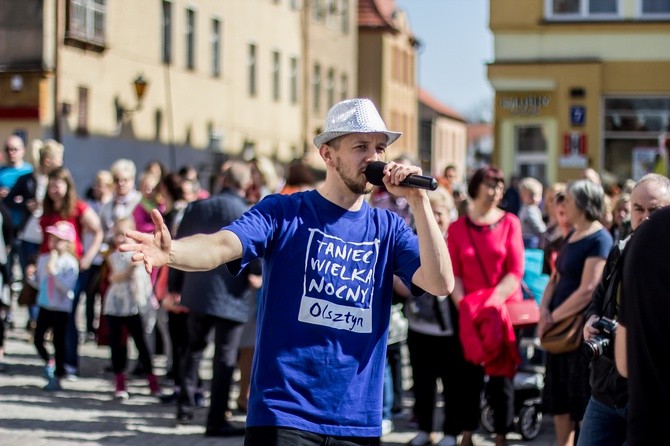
457,45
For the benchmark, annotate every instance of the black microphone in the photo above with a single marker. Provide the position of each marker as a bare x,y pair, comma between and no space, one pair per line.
375,172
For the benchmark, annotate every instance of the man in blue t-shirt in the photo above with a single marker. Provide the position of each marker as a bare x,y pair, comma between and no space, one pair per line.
328,264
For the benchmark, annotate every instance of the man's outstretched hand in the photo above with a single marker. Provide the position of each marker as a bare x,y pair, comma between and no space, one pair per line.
151,249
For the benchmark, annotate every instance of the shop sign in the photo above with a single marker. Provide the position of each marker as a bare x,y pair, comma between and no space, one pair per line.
574,151
530,105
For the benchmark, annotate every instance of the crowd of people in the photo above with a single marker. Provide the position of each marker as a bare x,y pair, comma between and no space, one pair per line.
311,288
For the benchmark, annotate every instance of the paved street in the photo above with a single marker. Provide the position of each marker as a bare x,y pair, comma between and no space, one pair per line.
85,413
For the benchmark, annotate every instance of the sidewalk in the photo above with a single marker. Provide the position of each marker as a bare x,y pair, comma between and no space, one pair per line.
85,413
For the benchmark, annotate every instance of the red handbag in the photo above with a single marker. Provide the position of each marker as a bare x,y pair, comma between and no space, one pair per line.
523,313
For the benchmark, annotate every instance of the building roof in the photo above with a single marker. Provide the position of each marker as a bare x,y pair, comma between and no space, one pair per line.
377,14
429,101
479,131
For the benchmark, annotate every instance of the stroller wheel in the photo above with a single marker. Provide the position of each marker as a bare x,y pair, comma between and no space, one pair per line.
530,422
487,418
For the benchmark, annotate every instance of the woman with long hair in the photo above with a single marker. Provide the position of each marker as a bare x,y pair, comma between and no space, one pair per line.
61,203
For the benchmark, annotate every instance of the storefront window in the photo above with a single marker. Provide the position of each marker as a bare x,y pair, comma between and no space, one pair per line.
531,151
633,130
655,7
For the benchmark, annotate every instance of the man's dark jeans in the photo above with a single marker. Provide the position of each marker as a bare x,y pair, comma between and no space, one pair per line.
280,436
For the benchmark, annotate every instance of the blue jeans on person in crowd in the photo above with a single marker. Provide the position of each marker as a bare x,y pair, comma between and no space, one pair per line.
603,425
71,333
387,392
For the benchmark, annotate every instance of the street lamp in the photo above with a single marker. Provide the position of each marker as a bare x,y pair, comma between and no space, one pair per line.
140,87
123,114
140,84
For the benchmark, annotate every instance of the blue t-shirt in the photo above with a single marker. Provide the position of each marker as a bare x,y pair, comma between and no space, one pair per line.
323,311
570,262
9,174
8,177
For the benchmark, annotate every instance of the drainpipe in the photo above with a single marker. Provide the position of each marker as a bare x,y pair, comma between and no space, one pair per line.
56,94
305,76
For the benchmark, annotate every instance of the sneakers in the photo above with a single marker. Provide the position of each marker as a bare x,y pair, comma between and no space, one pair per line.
199,399
421,439
53,385
387,427
447,440
120,393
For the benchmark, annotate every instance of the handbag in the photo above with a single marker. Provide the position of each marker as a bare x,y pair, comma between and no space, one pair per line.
27,296
565,336
523,313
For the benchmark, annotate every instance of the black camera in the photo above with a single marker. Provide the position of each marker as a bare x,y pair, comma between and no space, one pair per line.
602,342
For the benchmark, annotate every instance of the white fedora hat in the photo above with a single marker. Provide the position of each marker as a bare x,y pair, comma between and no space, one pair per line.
354,116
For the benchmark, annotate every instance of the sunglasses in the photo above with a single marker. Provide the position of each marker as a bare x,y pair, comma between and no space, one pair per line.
494,184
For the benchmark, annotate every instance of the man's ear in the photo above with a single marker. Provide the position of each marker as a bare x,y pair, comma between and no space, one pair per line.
326,153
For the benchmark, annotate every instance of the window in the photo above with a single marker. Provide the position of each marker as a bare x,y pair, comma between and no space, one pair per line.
276,75
633,126
216,47
318,10
86,21
316,88
345,16
582,9
167,32
655,7
331,13
251,66
531,150
82,118
344,87
190,39
293,80
330,87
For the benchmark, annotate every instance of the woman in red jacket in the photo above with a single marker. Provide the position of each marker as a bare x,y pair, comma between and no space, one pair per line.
486,249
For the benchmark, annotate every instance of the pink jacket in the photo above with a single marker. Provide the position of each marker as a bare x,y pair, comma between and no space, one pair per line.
487,334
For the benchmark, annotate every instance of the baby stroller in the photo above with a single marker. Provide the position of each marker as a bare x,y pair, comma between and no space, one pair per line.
528,384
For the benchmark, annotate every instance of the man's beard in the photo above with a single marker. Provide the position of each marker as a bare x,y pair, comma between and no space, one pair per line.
351,183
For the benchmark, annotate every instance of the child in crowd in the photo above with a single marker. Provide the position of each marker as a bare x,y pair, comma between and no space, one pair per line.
56,276
530,214
125,301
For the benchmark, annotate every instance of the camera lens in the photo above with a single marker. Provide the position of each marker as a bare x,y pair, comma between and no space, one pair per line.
595,347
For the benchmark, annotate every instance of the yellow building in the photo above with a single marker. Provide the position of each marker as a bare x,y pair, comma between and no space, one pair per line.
219,78
387,70
580,83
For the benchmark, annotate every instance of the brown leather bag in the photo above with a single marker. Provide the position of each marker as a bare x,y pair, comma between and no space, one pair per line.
27,296
565,336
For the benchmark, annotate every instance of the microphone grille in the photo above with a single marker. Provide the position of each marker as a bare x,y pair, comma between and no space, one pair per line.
375,173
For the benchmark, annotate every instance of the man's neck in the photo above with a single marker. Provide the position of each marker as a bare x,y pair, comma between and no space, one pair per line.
343,198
